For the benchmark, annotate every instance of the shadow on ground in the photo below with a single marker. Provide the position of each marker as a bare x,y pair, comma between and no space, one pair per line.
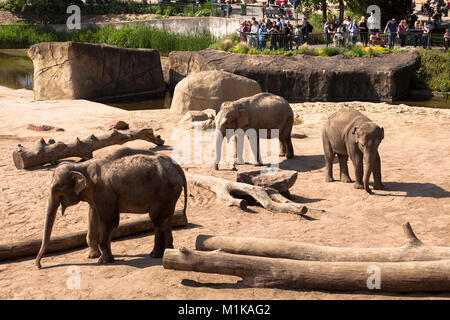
416,189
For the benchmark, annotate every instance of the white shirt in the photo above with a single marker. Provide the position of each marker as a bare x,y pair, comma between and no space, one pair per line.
372,23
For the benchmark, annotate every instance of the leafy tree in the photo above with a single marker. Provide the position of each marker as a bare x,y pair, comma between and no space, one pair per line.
398,9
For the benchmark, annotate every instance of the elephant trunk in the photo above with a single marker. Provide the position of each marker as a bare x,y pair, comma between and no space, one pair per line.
369,160
52,208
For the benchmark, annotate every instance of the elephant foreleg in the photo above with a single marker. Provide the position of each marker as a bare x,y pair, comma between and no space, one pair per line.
92,237
378,185
105,235
329,158
343,165
357,159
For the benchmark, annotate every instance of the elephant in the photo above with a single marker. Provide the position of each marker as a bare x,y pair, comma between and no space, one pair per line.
260,111
350,133
126,181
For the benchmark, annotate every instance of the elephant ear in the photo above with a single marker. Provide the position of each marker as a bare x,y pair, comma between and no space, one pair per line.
381,133
79,182
243,118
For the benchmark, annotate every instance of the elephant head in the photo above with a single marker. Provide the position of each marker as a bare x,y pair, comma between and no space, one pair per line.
65,190
368,137
230,116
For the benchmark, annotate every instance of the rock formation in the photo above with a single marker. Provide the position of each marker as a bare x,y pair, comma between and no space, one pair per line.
205,90
72,70
304,77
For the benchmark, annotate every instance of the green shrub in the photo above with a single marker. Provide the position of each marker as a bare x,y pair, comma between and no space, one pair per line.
330,51
355,51
434,70
242,47
305,49
226,44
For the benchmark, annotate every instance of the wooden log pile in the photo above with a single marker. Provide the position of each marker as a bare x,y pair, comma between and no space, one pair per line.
51,151
413,267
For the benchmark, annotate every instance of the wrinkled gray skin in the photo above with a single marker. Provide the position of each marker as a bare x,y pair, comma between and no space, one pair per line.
261,111
127,181
348,133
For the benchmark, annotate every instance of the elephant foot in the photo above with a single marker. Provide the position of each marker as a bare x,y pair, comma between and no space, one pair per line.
289,155
329,179
157,253
282,154
106,259
368,190
346,179
92,253
358,186
378,186
216,167
234,167
258,164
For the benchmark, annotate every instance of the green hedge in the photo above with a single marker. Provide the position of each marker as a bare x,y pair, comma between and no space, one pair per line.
434,70
22,36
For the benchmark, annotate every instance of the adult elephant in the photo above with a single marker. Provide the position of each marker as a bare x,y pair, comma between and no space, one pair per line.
128,181
350,133
260,111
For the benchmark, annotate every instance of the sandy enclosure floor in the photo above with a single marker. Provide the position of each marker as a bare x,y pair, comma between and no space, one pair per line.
415,157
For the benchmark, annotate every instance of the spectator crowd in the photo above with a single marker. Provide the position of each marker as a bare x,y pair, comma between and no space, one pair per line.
279,33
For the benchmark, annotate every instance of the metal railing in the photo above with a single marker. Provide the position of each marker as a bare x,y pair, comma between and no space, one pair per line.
275,40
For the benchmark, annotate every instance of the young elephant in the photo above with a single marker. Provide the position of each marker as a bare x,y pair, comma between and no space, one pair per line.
350,133
260,111
128,181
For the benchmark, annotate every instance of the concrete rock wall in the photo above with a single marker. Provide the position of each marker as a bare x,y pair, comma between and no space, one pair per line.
304,77
70,70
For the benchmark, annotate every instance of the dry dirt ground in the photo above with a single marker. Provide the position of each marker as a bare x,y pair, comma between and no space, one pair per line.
415,166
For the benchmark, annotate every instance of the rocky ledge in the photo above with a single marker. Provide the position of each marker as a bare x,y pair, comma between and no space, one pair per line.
303,77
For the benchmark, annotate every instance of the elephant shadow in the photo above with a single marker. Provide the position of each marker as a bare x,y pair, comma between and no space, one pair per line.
416,189
139,261
303,163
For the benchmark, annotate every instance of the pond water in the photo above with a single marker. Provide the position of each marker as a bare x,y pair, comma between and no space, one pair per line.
16,71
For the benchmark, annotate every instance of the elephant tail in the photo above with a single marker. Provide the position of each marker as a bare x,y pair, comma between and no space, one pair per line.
183,176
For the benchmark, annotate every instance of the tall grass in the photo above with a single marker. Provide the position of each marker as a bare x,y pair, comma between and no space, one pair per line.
22,36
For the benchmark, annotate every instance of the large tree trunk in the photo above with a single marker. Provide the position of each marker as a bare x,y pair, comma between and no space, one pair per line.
44,153
78,239
294,274
269,198
413,250
324,10
341,11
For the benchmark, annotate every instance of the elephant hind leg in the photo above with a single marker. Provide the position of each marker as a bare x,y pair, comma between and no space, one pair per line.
289,148
282,148
161,218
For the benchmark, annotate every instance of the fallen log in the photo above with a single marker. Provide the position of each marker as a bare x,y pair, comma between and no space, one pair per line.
50,152
78,239
412,250
226,190
418,276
